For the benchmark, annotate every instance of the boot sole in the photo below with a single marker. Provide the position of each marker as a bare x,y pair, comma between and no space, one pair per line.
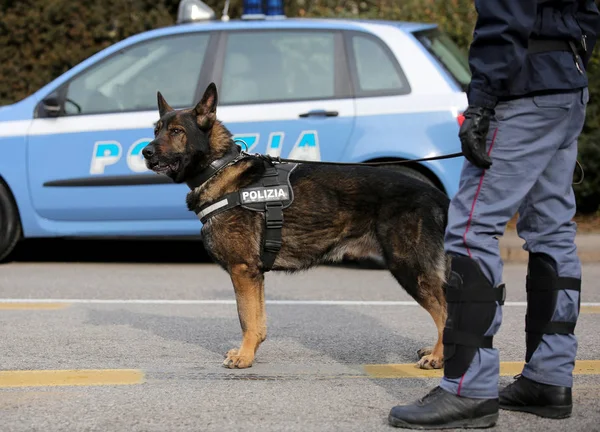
553,412
474,423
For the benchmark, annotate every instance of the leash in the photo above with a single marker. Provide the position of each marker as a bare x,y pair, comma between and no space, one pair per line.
582,174
395,162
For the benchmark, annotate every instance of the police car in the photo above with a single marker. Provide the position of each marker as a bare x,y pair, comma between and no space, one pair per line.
313,89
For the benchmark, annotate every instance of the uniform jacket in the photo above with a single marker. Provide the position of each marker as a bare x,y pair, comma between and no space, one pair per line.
501,66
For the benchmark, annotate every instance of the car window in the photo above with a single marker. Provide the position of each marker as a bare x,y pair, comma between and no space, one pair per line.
376,70
129,80
278,66
448,54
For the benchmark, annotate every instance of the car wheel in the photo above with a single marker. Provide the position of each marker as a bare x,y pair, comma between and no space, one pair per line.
411,172
10,225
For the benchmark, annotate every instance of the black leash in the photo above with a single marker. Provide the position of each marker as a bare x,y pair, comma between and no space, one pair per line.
578,182
394,162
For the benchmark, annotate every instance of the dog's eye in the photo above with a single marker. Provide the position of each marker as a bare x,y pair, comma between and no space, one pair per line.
176,131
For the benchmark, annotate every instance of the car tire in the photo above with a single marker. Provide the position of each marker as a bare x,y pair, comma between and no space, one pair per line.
10,225
411,172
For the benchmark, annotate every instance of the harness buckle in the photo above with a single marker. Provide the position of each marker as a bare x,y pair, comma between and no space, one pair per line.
274,223
274,215
272,245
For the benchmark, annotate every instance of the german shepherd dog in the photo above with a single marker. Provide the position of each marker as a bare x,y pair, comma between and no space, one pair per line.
337,210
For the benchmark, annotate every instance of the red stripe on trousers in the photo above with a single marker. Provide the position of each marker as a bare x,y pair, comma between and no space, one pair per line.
469,225
475,198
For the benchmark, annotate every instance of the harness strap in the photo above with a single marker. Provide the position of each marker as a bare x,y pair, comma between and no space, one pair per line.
552,327
541,283
476,295
272,240
228,201
457,337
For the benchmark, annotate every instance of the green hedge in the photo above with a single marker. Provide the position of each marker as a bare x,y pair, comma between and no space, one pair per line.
41,39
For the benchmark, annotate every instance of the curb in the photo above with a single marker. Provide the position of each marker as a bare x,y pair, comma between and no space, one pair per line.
514,255
511,248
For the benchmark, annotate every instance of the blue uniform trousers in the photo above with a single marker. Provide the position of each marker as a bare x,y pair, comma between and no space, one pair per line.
532,142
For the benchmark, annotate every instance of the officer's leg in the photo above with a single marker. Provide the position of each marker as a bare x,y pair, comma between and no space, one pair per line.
553,285
522,140
527,137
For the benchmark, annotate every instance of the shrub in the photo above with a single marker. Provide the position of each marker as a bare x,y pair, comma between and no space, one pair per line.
41,39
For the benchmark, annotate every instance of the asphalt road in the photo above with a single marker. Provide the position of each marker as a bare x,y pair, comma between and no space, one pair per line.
140,311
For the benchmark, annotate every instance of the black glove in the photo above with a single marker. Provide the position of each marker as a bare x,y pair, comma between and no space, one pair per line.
473,135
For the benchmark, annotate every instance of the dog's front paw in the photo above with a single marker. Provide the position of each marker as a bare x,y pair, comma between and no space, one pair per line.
235,360
424,352
429,360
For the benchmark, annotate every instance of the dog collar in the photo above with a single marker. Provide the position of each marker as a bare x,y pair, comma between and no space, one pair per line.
214,167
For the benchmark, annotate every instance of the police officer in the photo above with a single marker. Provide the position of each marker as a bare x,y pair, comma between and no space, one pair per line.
527,100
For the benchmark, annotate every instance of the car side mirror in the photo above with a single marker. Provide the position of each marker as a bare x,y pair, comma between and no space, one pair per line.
52,106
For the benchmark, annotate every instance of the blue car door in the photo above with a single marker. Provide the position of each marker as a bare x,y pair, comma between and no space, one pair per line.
286,92
85,164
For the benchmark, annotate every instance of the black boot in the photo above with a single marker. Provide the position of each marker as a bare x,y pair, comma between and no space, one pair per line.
442,410
541,399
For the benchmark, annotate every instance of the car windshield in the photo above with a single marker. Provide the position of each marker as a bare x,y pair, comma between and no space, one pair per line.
451,57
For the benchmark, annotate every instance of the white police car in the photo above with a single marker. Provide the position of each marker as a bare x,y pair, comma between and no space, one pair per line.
316,89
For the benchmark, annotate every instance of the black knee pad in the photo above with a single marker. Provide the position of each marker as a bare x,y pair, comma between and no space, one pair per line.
471,302
543,285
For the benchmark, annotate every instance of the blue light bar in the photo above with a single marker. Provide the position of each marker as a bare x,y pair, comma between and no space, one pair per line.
261,9
253,7
275,8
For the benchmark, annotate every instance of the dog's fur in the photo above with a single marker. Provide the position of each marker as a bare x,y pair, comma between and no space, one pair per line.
337,211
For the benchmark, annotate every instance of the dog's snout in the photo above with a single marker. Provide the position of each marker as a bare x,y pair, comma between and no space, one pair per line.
148,151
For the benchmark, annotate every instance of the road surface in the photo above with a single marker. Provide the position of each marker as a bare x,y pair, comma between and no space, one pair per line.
132,339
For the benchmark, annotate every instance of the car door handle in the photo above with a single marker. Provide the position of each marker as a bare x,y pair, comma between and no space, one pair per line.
319,113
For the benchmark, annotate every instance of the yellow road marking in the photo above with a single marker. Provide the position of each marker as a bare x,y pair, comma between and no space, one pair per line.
76,377
590,309
410,370
33,306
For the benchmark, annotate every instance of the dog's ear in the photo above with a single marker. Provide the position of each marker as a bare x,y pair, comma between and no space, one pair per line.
206,110
163,106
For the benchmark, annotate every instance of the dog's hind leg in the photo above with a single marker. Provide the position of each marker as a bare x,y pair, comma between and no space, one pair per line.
428,291
433,301
249,294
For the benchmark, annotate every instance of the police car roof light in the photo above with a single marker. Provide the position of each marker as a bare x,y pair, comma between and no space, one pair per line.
262,9
275,9
253,9
193,11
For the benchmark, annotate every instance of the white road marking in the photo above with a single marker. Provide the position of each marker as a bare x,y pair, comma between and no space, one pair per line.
232,302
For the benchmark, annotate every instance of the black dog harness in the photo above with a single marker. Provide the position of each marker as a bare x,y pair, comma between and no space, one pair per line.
270,194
